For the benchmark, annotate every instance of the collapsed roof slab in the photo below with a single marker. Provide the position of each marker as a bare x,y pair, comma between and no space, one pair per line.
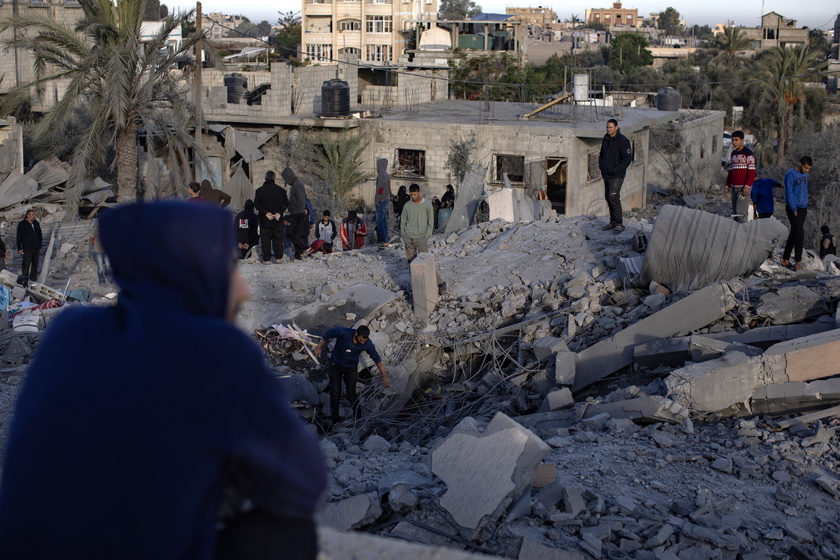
795,396
688,314
689,249
345,308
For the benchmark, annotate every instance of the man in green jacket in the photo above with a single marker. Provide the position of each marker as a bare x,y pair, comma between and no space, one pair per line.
417,223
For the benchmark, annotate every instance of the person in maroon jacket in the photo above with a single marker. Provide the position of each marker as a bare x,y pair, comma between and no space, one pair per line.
740,178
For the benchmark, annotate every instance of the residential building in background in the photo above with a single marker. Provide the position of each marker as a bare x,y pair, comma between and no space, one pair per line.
775,31
615,16
373,30
542,17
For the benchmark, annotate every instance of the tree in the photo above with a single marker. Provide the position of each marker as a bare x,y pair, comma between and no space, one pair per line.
340,161
152,10
460,156
729,45
787,67
263,29
246,29
458,9
595,26
575,21
629,50
287,38
669,21
127,84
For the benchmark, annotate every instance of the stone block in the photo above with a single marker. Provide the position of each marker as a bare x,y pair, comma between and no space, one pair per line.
811,357
424,285
485,473
647,408
690,313
564,368
547,347
533,550
351,513
559,399
792,304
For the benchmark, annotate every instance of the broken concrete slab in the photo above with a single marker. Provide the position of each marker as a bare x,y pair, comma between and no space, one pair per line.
765,337
791,304
484,473
424,288
547,347
808,358
675,352
534,550
645,409
717,384
690,249
558,399
360,300
334,545
794,397
564,368
351,513
693,312
469,196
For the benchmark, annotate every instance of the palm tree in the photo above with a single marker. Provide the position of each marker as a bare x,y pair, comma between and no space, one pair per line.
127,84
339,164
729,45
574,20
787,67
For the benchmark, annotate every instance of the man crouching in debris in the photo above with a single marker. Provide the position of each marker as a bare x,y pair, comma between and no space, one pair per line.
131,454
349,345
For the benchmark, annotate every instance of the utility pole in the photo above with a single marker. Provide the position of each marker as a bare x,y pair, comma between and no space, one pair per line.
197,90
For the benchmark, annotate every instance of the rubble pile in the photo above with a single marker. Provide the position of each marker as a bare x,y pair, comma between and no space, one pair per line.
567,397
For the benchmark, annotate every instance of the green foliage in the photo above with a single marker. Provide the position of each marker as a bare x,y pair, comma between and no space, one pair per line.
339,164
458,9
596,26
669,21
729,45
125,85
627,51
460,156
288,38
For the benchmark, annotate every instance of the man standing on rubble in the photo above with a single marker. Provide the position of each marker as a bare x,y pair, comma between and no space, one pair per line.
615,157
137,449
271,201
29,241
417,223
349,345
298,230
740,178
382,198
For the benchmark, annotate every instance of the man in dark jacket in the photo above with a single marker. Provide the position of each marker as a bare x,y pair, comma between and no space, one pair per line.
271,201
144,442
349,345
246,229
613,161
298,230
29,241
216,197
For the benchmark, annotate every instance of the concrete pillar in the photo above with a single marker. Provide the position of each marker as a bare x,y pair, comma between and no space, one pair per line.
424,285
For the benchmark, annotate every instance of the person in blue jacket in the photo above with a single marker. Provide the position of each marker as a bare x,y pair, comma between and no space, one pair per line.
349,345
762,196
796,208
130,454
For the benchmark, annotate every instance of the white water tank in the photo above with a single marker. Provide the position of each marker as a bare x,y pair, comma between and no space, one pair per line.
580,87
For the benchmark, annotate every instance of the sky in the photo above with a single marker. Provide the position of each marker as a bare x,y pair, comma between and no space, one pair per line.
816,14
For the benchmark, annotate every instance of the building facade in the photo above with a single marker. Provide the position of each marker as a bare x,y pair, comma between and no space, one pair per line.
614,17
542,17
775,31
373,30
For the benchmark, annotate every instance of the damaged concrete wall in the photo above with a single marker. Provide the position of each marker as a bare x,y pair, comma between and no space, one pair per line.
684,154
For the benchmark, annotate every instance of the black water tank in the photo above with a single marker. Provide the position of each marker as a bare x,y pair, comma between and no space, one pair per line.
335,98
236,85
668,99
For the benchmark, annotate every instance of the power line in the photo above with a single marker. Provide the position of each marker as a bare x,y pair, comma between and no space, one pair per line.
522,85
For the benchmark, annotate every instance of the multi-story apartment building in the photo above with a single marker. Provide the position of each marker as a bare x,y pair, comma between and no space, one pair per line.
775,31
615,16
543,17
374,30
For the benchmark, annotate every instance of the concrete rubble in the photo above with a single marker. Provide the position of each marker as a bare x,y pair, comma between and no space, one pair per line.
548,406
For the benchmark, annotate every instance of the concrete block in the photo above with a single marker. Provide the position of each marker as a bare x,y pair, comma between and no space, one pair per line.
333,545
424,285
647,409
717,384
811,357
795,397
559,399
376,444
792,304
547,347
629,269
401,498
351,513
765,337
485,473
469,196
688,314
564,368
544,475
672,352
